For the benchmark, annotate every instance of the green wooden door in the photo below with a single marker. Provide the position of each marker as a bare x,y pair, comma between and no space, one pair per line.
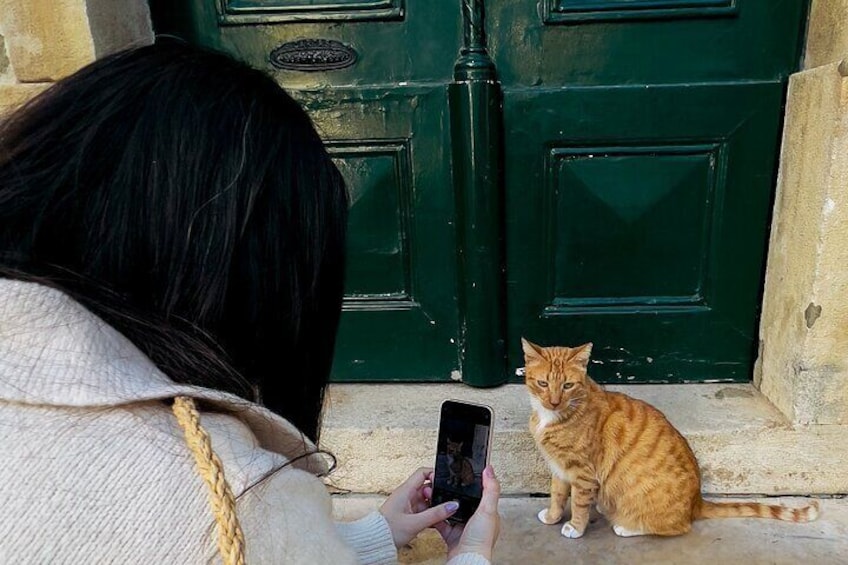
641,142
603,172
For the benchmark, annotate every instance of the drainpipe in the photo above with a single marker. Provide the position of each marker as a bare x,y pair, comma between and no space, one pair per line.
476,133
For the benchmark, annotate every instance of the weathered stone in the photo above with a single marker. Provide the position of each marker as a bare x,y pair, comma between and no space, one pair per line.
4,60
827,36
46,40
803,365
381,433
14,95
752,541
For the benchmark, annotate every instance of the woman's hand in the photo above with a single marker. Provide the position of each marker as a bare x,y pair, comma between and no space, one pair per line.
481,532
408,512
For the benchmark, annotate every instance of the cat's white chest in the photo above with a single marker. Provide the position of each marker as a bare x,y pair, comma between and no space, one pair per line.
545,417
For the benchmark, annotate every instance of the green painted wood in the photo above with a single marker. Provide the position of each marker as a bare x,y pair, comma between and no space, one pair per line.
646,233
421,47
633,143
386,121
640,143
476,129
399,320
576,11
235,12
758,40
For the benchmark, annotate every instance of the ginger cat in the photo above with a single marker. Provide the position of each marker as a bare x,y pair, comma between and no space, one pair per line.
461,471
618,452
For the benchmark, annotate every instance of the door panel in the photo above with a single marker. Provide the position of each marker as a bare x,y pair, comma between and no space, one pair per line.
274,11
379,187
646,207
399,317
641,229
394,41
562,11
624,42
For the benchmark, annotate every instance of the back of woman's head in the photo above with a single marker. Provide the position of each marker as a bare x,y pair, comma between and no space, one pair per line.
187,200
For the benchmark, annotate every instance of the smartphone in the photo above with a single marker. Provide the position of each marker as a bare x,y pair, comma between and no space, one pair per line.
462,452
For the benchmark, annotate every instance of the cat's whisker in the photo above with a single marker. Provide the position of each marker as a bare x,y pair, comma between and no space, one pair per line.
576,402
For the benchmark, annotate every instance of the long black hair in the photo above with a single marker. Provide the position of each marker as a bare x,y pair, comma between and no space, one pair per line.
187,200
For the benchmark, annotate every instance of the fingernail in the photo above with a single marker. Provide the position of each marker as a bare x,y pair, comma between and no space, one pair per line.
489,471
452,506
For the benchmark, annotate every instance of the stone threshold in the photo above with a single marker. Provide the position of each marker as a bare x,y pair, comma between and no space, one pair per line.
380,433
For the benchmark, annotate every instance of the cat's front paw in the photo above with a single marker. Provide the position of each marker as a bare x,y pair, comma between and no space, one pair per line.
570,531
544,517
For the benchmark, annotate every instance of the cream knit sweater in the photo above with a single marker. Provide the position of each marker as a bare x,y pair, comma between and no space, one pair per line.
94,468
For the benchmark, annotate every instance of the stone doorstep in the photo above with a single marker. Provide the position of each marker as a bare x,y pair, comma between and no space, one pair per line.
749,541
380,433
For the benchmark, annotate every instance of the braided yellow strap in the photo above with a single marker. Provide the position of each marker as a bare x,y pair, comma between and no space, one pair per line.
230,536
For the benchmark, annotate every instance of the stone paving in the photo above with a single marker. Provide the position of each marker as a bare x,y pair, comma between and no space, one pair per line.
526,541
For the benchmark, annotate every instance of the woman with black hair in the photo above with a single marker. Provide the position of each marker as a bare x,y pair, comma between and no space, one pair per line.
172,253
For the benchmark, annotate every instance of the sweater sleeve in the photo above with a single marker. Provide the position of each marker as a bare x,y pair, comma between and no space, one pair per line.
371,538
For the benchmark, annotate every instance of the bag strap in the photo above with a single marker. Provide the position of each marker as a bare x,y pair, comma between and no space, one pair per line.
221,499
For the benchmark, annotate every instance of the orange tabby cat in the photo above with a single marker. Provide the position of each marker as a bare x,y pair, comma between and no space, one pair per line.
461,471
620,453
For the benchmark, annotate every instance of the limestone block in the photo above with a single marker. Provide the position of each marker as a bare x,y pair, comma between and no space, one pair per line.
827,36
4,60
46,39
14,95
803,364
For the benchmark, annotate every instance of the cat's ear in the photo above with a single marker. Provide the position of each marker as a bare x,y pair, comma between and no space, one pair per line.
582,354
532,352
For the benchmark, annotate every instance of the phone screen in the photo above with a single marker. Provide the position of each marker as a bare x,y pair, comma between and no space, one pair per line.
461,455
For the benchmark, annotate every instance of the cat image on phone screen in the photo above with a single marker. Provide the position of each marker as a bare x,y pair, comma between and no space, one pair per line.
462,451
460,467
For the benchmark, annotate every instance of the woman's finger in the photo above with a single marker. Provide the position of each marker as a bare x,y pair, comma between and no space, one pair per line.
417,478
449,532
430,517
491,491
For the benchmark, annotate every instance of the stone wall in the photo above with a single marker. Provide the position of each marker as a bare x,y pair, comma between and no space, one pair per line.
45,40
827,33
4,60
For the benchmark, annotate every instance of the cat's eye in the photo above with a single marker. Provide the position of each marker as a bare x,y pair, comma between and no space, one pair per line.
567,386
543,384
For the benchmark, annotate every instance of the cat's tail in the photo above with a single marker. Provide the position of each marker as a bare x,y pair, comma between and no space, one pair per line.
757,510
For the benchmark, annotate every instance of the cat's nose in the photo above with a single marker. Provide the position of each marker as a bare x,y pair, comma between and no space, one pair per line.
554,403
